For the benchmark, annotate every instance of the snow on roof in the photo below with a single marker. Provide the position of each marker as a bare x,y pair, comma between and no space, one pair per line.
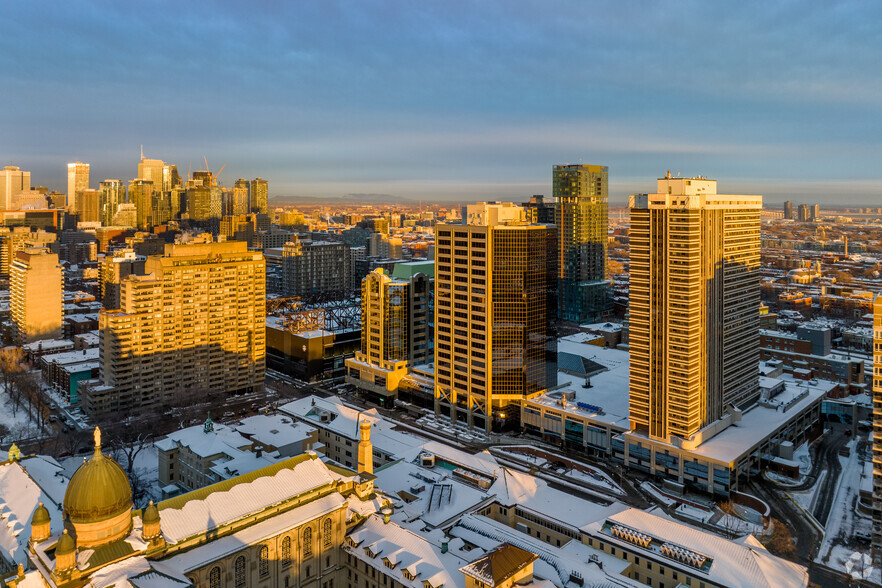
514,488
211,507
410,551
555,564
21,490
760,422
253,534
733,564
69,357
343,420
275,430
221,440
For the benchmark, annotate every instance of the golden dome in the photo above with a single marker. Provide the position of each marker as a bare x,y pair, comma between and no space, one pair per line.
98,490
66,544
151,514
41,516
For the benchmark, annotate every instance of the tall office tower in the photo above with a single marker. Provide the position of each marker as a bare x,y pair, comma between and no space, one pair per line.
242,183
239,203
152,169
803,213
788,209
113,269
141,195
259,196
18,238
57,199
495,307
88,205
35,295
582,222
540,209
815,212
77,179
112,194
394,333
191,327
315,267
877,429
205,203
12,181
694,324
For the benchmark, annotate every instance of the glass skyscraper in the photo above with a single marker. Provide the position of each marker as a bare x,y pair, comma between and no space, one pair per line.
582,222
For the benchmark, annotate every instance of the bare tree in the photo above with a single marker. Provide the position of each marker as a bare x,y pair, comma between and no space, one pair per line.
11,360
4,432
779,541
127,440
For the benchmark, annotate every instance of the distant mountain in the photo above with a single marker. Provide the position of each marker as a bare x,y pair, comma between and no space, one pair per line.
344,199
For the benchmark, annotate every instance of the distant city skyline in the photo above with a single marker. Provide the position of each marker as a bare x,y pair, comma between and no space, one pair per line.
451,102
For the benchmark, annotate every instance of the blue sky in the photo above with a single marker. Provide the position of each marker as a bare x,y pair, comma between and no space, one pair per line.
451,100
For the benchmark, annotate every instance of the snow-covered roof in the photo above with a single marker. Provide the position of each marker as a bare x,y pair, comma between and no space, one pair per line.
419,554
732,563
219,504
23,485
275,430
253,534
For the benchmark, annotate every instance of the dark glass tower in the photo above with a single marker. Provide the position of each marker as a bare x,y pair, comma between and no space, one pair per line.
582,223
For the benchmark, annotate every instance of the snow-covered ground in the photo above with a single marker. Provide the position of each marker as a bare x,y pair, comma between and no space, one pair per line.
460,431
839,546
699,514
806,499
20,424
146,468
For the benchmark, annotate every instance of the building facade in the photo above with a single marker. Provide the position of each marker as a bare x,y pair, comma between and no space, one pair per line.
193,326
35,283
495,306
314,267
112,194
581,216
877,429
694,295
259,196
77,179
394,333
13,181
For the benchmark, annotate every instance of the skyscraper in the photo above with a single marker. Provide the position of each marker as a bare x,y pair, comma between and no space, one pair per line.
77,179
815,212
394,333
88,205
315,267
141,195
35,301
694,295
112,194
241,197
803,212
877,428
259,196
582,222
12,181
788,209
192,326
495,306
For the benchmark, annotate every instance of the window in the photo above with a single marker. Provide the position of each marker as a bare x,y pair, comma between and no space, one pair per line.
239,576
286,551
307,542
263,561
214,577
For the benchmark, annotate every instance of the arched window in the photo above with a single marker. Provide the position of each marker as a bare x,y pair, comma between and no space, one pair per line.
326,532
286,551
240,572
263,562
307,542
214,577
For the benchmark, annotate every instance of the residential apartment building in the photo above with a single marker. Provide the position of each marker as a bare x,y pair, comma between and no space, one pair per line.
314,267
113,270
15,239
193,326
495,306
394,333
259,196
35,286
581,216
694,295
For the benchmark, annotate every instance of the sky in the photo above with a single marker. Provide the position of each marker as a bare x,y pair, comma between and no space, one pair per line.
451,100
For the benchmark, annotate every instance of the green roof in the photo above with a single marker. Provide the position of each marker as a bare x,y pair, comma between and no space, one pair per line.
178,502
405,271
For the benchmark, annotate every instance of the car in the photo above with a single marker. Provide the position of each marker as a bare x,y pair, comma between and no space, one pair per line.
53,418
229,414
848,432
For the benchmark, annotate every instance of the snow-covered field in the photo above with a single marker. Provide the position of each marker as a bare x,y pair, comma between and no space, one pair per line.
19,423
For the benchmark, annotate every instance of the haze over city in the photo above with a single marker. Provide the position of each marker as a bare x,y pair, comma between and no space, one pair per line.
451,101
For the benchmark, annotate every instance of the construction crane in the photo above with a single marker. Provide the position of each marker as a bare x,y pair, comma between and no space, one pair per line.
214,177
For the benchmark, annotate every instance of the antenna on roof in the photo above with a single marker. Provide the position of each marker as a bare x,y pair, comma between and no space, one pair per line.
142,151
